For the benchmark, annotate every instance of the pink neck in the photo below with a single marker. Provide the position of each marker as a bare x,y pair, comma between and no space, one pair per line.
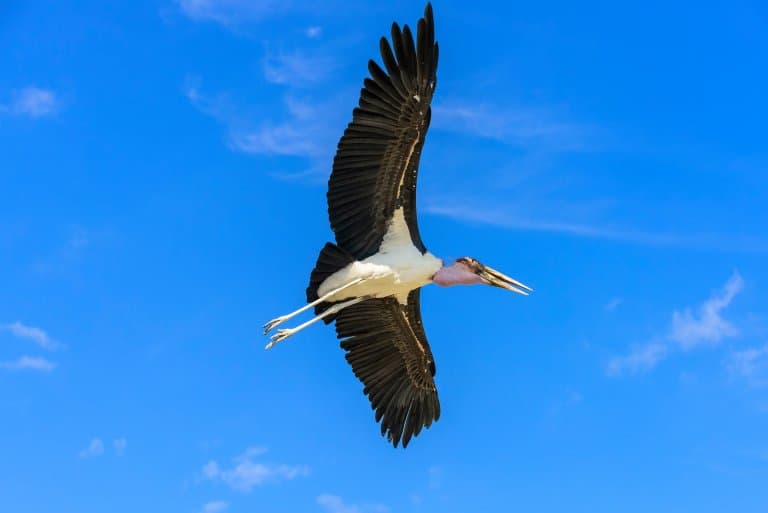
456,274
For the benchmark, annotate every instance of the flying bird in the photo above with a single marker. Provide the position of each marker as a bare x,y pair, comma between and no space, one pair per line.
369,280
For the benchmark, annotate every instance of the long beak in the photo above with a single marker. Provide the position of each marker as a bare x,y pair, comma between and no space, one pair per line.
497,279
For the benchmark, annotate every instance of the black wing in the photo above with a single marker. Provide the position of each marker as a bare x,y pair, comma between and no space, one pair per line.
388,350
374,171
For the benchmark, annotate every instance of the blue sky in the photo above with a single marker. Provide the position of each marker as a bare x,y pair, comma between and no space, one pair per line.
162,177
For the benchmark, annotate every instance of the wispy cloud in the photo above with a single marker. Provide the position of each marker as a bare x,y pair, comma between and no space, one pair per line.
613,304
29,363
751,365
78,239
497,215
229,12
298,68
120,445
297,136
528,127
314,32
335,504
94,449
541,136
641,358
707,325
490,212
33,102
307,129
247,473
567,399
687,331
275,139
215,507
435,473
68,250
36,335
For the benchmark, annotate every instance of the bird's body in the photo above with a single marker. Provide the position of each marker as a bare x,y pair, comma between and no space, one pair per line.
369,281
395,270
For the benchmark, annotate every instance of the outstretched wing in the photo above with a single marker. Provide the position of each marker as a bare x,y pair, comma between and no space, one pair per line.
388,350
377,160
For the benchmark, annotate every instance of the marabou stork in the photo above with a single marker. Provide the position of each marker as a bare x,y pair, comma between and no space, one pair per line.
369,281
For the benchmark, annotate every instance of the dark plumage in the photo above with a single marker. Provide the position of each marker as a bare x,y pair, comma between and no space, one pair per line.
389,353
382,145
369,281
384,340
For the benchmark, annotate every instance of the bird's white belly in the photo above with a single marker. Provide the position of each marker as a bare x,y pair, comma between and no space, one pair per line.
398,268
384,274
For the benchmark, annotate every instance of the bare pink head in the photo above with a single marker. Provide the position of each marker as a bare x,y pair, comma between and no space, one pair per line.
468,271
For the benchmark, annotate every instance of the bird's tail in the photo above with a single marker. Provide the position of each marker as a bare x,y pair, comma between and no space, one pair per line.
331,259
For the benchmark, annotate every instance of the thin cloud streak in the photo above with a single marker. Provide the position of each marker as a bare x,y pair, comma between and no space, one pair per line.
528,127
215,507
502,219
308,130
120,444
32,102
36,335
641,358
296,68
297,136
751,365
229,12
335,504
498,216
94,449
246,473
687,331
29,363
708,325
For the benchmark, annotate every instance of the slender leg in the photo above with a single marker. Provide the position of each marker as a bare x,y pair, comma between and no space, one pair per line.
285,333
279,320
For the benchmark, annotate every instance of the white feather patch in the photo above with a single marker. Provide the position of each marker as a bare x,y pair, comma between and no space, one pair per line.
397,268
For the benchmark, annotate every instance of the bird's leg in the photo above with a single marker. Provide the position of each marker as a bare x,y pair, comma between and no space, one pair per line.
279,320
287,332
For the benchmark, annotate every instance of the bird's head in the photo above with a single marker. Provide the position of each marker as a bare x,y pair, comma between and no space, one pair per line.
492,277
469,271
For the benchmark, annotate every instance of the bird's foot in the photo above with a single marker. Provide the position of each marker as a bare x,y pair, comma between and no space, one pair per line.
279,337
274,323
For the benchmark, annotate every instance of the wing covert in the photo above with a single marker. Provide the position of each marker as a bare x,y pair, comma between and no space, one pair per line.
377,159
386,346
